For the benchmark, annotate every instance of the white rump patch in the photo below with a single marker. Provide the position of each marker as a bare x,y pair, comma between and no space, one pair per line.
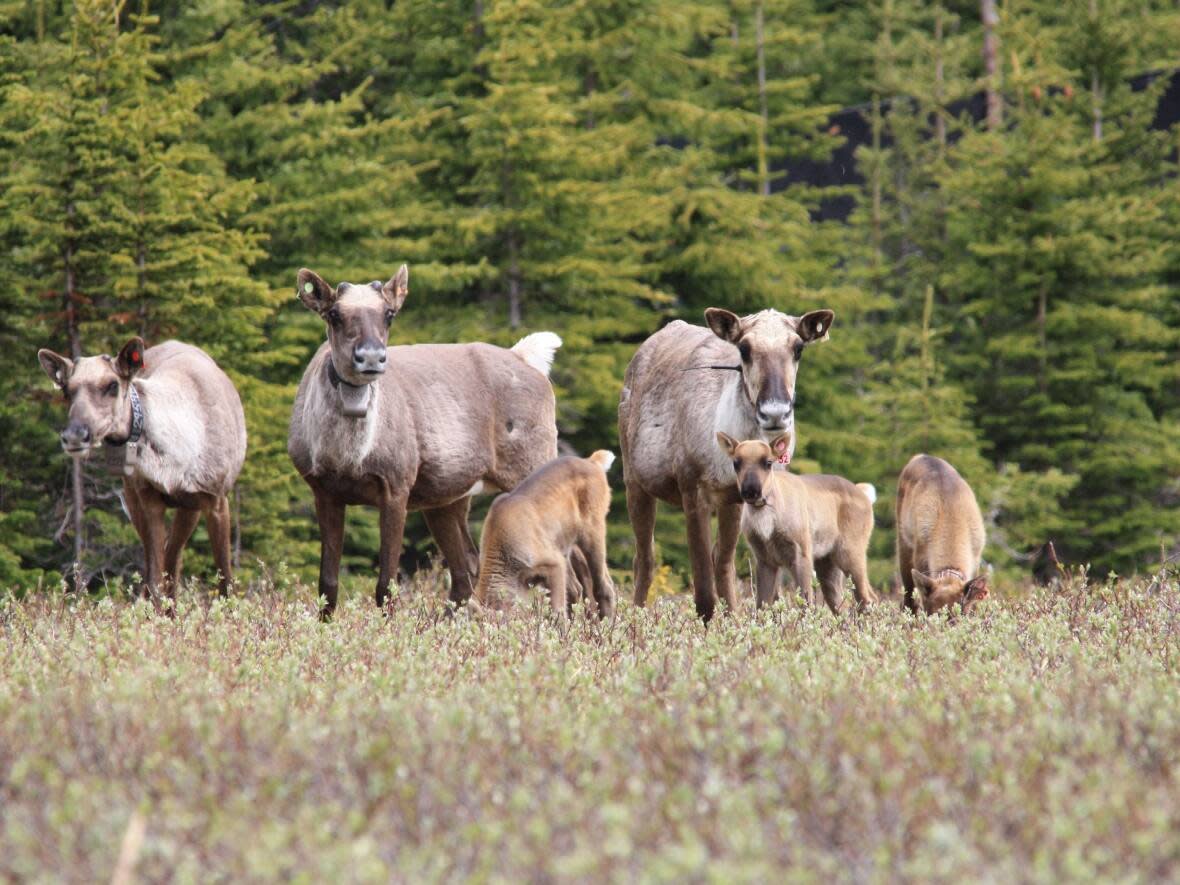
604,458
538,350
869,491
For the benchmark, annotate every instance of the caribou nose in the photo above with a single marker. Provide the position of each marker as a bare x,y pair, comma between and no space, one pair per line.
774,414
369,359
75,436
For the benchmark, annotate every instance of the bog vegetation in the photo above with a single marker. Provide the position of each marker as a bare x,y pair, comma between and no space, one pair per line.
1004,291
1037,739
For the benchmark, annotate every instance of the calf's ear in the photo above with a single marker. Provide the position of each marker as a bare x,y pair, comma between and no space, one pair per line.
976,589
56,366
313,291
129,362
781,445
921,581
395,291
813,326
727,442
725,324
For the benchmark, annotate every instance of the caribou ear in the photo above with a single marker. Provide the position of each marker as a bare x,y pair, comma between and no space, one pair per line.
814,325
727,442
313,291
56,366
395,291
921,581
781,445
725,324
976,589
129,362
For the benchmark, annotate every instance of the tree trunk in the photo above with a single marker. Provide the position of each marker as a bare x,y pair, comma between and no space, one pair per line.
763,112
514,282
991,62
939,98
69,298
1096,84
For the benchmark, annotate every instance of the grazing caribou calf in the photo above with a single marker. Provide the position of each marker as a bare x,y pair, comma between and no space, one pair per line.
940,537
674,400
419,427
802,523
180,419
533,534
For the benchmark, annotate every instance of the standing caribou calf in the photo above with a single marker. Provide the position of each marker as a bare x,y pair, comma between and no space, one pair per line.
676,396
802,523
181,422
419,427
939,537
531,532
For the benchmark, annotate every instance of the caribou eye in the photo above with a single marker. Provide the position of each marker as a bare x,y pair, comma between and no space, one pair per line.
768,464
737,465
389,315
798,352
112,388
744,350
334,317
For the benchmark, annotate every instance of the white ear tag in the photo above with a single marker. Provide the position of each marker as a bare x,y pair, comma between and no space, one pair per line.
308,287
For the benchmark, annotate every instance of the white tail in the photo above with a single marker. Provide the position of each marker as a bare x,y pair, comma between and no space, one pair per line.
870,492
537,350
603,458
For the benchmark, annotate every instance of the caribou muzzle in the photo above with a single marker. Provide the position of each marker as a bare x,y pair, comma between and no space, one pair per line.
75,439
775,415
368,358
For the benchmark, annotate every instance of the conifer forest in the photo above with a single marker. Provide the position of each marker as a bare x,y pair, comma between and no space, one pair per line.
985,194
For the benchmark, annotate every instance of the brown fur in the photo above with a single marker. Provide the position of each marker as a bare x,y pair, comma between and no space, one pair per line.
190,454
436,422
940,537
673,403
552,524
806,523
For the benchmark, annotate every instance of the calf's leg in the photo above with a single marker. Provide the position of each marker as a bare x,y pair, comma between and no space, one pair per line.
594,548
831,581
905,564
766,581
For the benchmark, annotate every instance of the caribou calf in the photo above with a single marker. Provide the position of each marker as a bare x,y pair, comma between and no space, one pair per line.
533,535
419,427
802,523
940,537
180,421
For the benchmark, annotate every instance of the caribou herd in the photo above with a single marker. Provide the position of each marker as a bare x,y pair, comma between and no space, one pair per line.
706,425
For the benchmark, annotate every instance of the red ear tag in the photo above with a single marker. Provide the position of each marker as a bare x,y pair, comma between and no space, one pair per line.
784,458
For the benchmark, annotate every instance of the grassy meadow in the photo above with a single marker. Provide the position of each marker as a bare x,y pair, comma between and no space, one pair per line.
1037,739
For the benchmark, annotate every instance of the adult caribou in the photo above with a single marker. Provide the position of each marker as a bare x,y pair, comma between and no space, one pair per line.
179,421
419,427
676,397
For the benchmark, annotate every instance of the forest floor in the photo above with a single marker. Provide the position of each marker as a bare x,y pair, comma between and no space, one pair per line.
1036,739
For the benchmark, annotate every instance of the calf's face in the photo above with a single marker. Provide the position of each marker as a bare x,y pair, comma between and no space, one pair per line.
770,345
96,388
753,460
939,591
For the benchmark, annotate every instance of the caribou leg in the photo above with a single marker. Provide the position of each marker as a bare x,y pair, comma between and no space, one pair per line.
697,513
218,524
448,527
330,514
393,525
184,521
641,507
